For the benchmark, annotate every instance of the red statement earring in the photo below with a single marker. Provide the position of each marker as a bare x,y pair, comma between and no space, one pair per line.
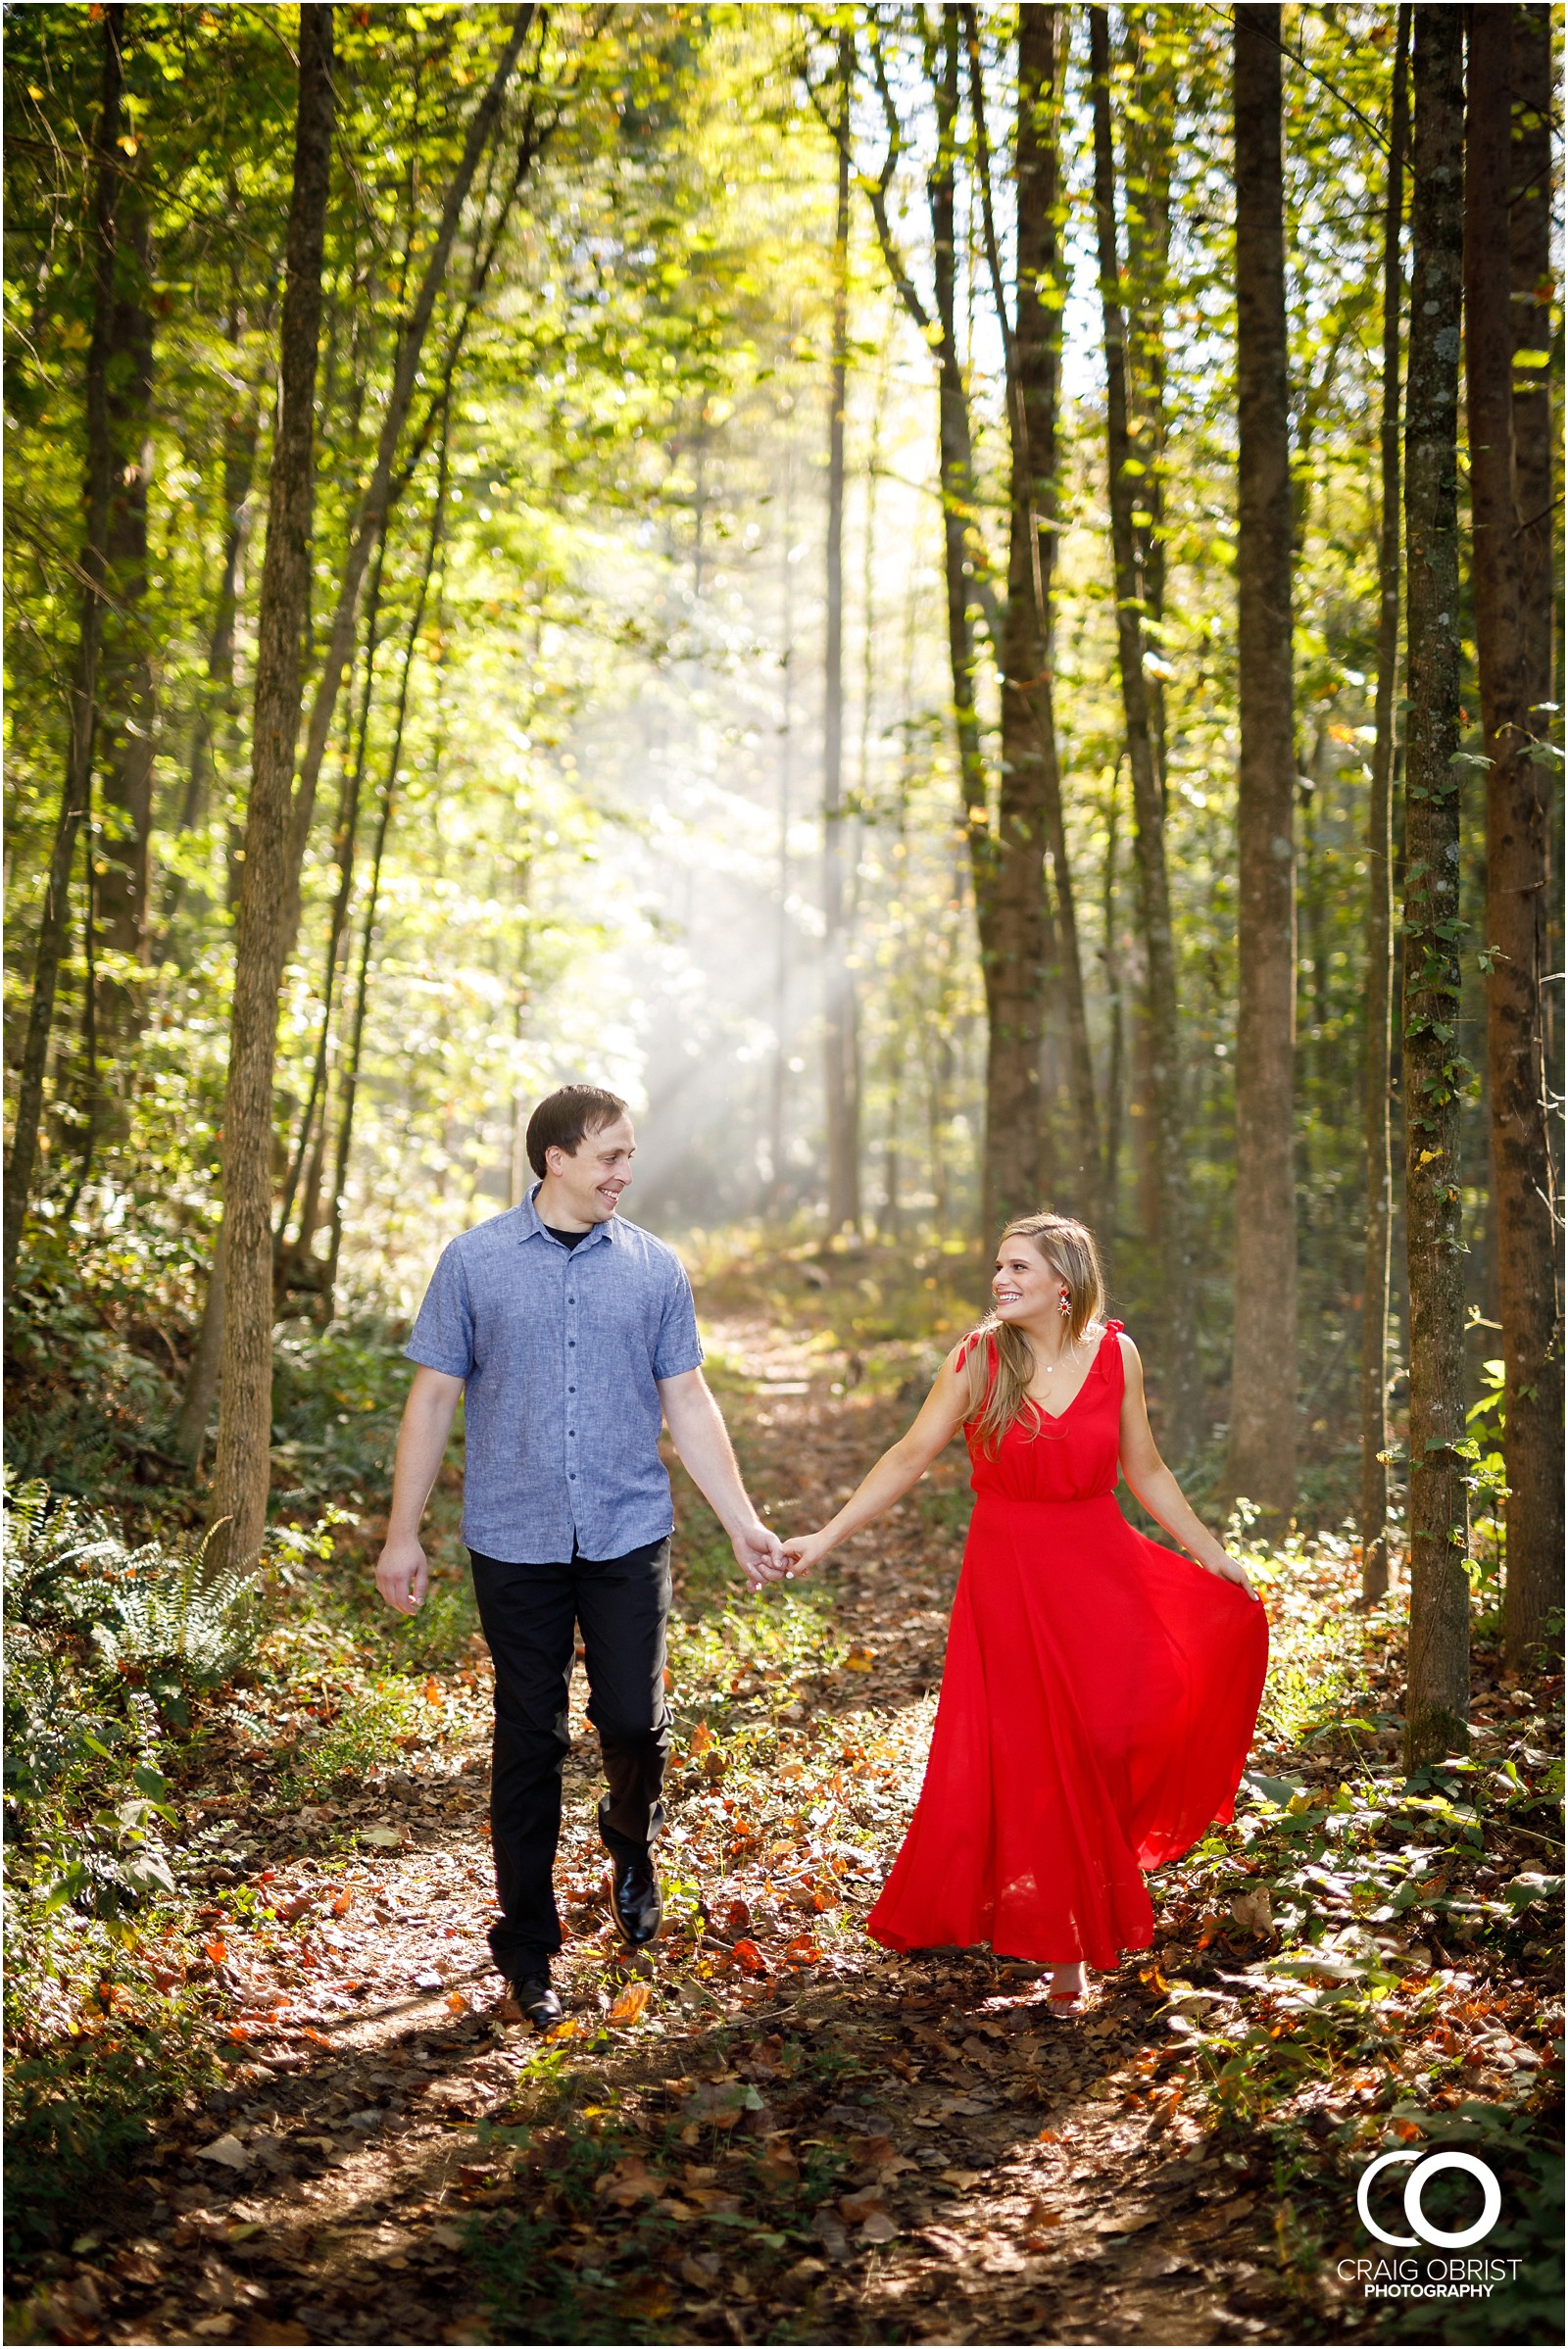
1065,1297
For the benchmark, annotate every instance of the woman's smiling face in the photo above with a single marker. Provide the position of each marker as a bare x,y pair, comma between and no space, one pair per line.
1024,1287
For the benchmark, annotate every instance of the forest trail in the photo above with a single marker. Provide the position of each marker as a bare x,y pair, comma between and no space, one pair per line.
773,2131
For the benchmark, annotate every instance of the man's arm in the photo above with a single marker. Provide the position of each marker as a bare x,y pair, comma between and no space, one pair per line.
703,1441
402,1575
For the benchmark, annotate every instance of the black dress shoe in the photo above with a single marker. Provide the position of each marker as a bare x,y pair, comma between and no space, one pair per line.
636,1901
538,2001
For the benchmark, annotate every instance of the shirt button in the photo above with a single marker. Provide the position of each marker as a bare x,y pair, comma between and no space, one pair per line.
571,1389
572,1340
573,1474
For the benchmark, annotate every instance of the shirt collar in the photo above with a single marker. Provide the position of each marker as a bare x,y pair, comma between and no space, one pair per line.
534,1229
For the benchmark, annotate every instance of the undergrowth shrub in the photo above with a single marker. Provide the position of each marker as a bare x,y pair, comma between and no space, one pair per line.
368,1727
105,1649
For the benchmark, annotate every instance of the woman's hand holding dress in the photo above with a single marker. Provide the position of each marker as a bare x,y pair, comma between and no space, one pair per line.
1228,1570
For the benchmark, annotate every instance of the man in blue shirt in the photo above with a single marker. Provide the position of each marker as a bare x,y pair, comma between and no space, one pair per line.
573,1334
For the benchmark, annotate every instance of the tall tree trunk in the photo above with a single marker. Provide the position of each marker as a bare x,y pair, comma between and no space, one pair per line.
56,913
1532,1579
1030,817
1011,1150
1262,1443
1435,1074
1376,1250
239,1510
125,682
843,1139
1516,861
1181,1386
386,485
1014,934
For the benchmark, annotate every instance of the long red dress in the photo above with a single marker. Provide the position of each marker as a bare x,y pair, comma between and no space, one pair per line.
1096,1708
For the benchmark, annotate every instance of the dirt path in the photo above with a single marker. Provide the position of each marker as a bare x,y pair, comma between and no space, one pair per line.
771,2132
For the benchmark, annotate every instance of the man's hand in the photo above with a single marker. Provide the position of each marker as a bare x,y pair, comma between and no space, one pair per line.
403,1574
760,1554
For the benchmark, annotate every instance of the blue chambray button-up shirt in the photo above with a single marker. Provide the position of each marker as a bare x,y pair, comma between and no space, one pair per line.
560,1350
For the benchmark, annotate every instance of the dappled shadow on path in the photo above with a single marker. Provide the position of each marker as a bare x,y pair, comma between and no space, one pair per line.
770,2131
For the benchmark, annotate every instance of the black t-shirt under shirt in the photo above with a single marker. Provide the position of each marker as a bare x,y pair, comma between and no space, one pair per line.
567,1240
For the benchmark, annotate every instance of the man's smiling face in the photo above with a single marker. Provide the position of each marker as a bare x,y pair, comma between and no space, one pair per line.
588,1182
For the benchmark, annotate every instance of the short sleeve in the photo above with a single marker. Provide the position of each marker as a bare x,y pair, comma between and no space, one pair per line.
442,1338
677,1346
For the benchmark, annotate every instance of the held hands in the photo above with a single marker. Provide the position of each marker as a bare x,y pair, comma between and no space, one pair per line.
763,1558
760,1554
403,1575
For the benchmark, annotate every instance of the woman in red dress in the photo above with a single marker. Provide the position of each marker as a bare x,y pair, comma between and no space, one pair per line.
1100,1691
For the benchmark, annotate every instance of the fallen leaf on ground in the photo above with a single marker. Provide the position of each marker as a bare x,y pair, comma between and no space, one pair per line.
632,2004
631,2181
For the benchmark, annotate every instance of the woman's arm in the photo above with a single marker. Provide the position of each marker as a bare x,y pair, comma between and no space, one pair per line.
902,1465
1154,1484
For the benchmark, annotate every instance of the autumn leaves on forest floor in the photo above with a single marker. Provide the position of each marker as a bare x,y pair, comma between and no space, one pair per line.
768,2128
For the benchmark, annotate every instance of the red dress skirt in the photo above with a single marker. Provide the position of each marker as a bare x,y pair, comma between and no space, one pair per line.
1098,1704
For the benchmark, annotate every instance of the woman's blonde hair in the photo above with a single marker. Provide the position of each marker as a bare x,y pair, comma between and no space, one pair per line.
1068,1247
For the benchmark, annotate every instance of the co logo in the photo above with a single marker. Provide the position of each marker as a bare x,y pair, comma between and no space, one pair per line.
1415,2186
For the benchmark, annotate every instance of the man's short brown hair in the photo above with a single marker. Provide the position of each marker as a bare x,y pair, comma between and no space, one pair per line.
565,1116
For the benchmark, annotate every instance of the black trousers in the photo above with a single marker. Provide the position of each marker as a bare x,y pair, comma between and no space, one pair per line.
528,1613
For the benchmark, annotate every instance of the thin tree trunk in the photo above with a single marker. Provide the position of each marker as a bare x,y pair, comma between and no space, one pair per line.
1376,1252
1182,1384
125,694
238,1509
91,1075
188,1440
955,465
1434,1075
362,992
1516,863
843,1140
1109,1182
56,914
382,490
215,708
1264,1394
1150,142
343,851
781,935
